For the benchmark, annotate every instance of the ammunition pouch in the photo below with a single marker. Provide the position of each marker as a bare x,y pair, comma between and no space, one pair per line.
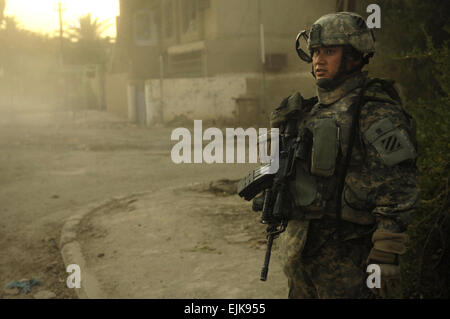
304,186
351,213
316,162
325,147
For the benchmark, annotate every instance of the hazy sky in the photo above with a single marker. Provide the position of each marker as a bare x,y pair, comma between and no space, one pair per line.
42,15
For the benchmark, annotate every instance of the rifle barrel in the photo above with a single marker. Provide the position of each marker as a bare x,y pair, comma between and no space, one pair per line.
265,268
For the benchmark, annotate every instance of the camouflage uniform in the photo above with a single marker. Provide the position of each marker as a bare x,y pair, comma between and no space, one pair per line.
380,191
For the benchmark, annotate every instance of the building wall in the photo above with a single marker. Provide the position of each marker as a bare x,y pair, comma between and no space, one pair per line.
211,15
221,99
116,93
227,37
228,30
196,98
138,56
206,70
238,22
279,86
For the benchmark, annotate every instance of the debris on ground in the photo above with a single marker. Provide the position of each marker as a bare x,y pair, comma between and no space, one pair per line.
221,187
225,187
24,285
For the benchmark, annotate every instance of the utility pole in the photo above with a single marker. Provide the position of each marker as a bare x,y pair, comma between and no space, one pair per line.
61,55
160,113
263,61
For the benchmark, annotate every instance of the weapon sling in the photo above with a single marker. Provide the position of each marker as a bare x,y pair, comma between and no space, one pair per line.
343,171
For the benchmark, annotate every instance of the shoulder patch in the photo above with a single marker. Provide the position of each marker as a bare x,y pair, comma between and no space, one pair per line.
392,144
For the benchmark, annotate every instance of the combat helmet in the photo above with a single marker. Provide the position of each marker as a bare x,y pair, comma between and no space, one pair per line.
342,28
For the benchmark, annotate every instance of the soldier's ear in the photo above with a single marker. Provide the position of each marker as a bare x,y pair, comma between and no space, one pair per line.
353,57
353,63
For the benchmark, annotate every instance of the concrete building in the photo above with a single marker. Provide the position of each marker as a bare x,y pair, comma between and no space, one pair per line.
218,60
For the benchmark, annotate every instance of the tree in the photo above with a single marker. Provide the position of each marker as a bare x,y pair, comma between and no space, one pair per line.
90,46
413,48
89,30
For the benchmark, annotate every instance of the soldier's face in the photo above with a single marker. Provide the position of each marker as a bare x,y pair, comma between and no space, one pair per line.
326,61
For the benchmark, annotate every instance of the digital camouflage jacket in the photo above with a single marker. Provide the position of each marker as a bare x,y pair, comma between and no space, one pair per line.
381,179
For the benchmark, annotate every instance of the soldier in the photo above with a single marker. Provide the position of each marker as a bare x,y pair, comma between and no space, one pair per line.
353,193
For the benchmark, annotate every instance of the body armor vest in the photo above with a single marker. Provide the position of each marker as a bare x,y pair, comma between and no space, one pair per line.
313,191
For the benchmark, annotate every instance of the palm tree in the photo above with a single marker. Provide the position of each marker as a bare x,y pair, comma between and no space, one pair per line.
89,30
90,45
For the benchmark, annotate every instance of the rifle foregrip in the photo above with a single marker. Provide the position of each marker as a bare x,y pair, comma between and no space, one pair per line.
266,216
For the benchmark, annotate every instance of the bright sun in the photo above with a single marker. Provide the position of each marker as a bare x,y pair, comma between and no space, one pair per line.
42,16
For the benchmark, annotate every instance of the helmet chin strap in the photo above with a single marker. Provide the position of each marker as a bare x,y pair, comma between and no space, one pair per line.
327,84
335,81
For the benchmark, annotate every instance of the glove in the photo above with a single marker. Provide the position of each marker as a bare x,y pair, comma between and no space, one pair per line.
387,246
258,203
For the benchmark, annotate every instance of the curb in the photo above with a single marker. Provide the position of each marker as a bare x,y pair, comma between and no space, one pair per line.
70,248
71,252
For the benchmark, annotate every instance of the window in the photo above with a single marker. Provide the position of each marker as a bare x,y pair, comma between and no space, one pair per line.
144,28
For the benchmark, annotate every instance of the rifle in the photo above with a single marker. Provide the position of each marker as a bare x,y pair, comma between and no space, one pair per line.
275,202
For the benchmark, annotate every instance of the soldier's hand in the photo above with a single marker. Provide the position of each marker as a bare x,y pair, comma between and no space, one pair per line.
258,203
387,246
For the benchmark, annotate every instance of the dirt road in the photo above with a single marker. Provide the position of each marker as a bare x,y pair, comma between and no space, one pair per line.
54,162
